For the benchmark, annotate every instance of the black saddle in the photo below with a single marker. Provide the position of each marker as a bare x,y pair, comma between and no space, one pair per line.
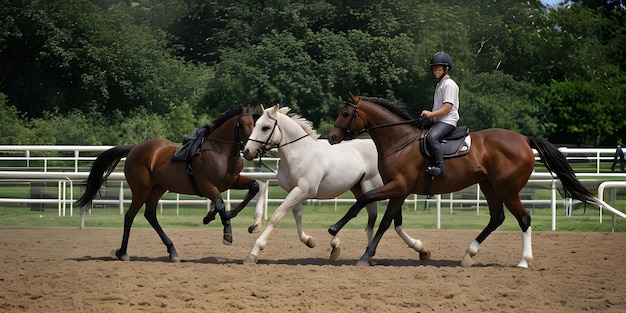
186,152
191,146
455,144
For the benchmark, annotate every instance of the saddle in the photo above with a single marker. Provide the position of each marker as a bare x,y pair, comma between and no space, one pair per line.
190,148
454,145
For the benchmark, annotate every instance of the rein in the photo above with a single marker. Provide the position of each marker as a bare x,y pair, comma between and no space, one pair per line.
351,134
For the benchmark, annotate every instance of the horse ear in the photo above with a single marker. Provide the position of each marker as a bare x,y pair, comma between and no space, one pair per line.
262,108
354,99
275,108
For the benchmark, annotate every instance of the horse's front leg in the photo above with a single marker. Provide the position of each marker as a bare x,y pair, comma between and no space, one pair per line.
388,191
242,182
394,206
294,198
352,213
220,207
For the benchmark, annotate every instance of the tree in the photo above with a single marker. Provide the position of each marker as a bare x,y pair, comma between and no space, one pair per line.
585,109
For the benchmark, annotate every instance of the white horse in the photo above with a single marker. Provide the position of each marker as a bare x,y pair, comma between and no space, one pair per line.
308,170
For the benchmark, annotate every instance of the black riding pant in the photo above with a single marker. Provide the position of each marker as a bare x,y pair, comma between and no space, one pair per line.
433,139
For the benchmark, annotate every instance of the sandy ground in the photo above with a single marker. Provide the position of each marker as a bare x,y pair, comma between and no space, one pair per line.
71,270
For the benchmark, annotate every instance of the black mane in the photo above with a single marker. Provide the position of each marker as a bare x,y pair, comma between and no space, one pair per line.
220,120
397,108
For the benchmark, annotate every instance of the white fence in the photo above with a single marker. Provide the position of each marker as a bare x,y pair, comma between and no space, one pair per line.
30,164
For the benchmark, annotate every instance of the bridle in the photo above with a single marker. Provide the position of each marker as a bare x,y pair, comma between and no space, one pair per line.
346,129
350,134
266,146
237,141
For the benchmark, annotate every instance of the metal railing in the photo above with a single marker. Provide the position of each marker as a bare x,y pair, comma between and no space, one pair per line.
33,164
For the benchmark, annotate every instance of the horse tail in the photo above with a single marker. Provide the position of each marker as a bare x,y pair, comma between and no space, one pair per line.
102,167
555,162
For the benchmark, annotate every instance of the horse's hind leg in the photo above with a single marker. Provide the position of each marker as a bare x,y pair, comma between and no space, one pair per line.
129,217
523,219
414,244
258,209
309,241
150,215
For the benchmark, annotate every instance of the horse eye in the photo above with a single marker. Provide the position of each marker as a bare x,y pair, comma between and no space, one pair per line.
344,114
265,128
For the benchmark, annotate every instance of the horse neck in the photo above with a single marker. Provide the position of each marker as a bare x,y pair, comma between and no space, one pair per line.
222,139
390,136
291,136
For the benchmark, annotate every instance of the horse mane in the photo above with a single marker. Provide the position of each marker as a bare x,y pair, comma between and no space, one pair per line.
397,108
220,120
306,125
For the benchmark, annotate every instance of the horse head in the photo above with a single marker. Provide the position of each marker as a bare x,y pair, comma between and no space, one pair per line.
347,125
265,134
245,124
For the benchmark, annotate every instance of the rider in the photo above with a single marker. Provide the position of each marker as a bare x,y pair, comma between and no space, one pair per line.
445,110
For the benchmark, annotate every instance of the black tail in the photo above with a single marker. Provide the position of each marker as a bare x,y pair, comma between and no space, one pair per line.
557,163
102,167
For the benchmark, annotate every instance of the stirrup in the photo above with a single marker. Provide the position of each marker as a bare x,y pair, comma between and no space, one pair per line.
438,170
434,171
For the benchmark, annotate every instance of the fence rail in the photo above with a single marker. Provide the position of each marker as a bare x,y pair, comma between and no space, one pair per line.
28,164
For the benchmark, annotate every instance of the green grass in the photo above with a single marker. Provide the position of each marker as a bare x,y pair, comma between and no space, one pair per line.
315,216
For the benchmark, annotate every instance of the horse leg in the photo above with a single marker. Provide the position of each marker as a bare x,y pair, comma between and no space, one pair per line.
354,210
393,207
258,209
496,213
241,183
220,207
306,239
129,217
294,198
516,207
150,215
414,244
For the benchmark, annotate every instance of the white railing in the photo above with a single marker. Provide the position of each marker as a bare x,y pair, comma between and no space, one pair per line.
78,173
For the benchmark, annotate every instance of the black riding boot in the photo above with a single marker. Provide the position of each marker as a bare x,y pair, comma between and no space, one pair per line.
438,170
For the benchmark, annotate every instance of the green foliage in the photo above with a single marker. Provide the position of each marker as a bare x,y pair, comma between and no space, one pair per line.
497,100
98,72
586,109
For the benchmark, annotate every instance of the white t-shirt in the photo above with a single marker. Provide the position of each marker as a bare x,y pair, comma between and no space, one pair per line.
447,91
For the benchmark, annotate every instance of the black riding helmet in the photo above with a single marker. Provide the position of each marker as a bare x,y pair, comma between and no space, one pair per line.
442,58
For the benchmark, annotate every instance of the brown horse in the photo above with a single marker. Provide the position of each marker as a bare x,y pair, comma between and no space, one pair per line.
500,161
150,172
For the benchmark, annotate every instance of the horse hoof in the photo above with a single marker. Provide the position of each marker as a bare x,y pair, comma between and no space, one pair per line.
467,261
335,253
175,259
254,228
425,255
310,242
333,230
523,263
209,216
120,256
228,239
364,263
251,259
